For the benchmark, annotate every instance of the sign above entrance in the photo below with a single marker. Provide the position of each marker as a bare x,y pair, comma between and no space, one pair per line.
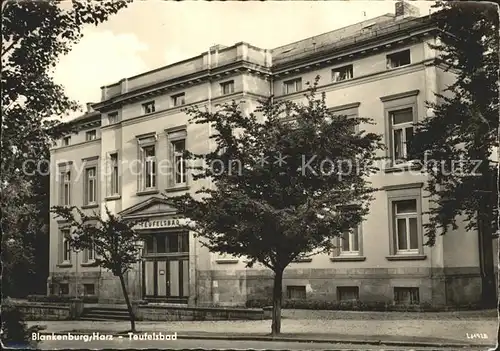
161,223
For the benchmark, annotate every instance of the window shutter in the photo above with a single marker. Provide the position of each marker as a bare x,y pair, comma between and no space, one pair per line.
61,188
60,247
140,170
171,155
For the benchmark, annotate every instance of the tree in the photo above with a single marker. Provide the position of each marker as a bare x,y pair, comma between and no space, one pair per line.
34,36
114,241
283,190
456,145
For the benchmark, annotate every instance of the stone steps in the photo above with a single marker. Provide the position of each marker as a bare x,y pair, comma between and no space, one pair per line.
105,314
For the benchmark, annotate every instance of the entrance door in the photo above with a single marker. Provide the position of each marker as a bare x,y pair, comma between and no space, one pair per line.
166,279
166,267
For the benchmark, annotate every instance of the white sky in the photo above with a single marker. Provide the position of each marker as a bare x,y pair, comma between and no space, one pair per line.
153,33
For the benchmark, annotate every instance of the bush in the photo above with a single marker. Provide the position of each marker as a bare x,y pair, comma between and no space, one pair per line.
15,332
60,299
376,306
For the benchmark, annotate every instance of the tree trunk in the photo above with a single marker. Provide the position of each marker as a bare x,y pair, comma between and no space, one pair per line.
277,299
129,305
487,266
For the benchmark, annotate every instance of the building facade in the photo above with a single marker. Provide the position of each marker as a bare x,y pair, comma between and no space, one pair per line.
127,152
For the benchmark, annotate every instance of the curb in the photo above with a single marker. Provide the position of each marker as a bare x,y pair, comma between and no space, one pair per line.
289,339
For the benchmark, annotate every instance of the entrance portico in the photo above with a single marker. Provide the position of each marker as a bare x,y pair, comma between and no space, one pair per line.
168,261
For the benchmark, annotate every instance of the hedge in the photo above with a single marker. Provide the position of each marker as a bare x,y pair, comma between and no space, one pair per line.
58,298
379,306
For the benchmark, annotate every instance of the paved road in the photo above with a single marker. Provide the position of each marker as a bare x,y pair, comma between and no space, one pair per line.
185,344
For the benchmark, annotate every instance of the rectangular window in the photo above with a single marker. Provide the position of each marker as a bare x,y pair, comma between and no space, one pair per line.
227,87
406,225
64,289
296,292
88,289
179,99
66,188
66,141
148,107
406,296
163,243
91,185
292,86
402,132
398,59
65,246
347,293
113,117
89,255
178,147
149,167
115,175
350,243
91,135
342,73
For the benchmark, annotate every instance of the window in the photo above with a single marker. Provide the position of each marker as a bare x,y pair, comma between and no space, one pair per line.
406,225
402,133
88,289
406,296
89,255
398,59
296,292
342,73
227,87
163,243
148,107
66,188
178,99
114,181
292,86
66,141
64,289
91,185
149,167
113,117
91,135
350,243
65,256
179,147
347,293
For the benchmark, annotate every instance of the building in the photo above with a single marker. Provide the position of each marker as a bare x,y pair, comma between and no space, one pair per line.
376,68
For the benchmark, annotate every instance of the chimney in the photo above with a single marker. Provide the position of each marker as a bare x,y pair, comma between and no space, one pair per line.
89,107
405,9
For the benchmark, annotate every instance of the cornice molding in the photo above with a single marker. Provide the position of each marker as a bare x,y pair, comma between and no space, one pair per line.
344,107
403,186
400,95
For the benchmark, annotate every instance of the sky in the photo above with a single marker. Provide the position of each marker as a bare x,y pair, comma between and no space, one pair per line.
151,33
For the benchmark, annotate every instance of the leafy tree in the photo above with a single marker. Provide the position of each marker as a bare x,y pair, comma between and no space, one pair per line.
114,241
456,145
34,36
283,190
15,332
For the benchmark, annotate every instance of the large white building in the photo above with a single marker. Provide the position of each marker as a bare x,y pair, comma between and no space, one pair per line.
376,68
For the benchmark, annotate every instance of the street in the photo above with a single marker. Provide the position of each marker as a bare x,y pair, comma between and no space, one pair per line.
184,344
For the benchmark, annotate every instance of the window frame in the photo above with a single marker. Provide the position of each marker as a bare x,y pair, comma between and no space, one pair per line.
144,142
407,217
339,292
394,103
91,135
400,193
411,290
89,163
230,84
290,288
339,70
148,107
176,135
65,247
66,141
65,187
114,179
389,58
175,102
297,84
180,234
90,185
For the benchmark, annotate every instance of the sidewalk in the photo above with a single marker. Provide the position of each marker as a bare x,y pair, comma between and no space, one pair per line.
450,332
